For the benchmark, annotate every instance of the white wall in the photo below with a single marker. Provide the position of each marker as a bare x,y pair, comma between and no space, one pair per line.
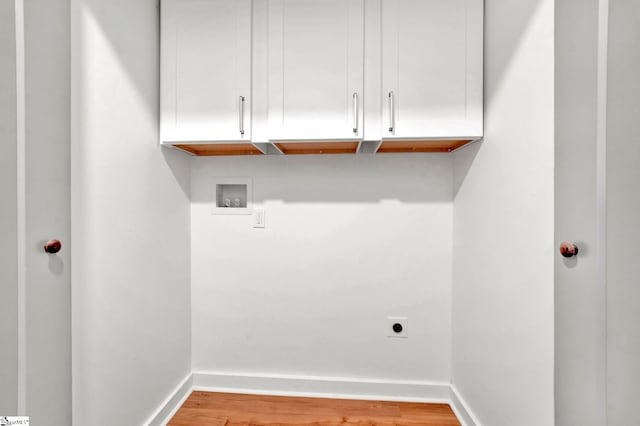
503,226
130,211
349,240
8,213
623,210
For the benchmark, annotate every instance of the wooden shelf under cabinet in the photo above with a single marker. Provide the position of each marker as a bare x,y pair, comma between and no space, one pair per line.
323,147
390,146
295,148
220,149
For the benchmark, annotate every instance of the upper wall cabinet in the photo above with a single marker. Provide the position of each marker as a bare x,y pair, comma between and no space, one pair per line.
316,69
432,69
206,74
321,76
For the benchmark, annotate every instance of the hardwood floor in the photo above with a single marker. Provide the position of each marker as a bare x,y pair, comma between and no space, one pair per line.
225,409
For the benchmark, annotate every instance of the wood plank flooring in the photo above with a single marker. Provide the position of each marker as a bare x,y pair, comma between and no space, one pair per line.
225,409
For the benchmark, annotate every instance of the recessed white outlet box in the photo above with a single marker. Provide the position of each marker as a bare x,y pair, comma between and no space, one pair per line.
233,196
258,217
398,327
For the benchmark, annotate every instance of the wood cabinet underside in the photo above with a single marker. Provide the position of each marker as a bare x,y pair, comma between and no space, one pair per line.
330,147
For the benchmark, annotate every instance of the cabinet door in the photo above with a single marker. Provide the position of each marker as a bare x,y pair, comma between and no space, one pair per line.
432,68
316,53
206,70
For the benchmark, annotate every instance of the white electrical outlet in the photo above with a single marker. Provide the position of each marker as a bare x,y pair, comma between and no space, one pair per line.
258,217
398,327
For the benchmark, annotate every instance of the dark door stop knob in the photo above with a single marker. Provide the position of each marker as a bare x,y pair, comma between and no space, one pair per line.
52,246
568,249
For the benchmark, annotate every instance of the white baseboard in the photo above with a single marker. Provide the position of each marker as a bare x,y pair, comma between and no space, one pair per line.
461,409
174,401
312,386
322,387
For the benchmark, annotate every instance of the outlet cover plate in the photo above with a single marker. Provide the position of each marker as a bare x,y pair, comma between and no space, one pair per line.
403,321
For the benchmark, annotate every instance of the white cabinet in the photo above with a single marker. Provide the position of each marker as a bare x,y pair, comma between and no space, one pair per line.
206,71
316,69
432,69
299,76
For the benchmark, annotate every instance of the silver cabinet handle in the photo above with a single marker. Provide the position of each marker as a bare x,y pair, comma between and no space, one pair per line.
391,112
241,106
355,113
